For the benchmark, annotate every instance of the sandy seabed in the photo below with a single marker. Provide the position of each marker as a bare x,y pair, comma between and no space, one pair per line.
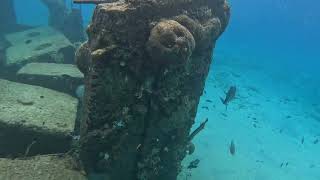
274,127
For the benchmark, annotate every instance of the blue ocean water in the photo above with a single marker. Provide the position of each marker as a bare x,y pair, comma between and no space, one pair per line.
26,13
287,30
270,51
283,34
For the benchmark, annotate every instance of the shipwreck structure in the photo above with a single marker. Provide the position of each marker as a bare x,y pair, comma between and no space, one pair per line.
145,66
7,16
68,21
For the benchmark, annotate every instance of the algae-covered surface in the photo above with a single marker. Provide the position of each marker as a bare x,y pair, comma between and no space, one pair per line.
34,115
36,106
47,167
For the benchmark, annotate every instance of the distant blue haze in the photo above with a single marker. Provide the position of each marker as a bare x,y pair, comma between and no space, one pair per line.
283,32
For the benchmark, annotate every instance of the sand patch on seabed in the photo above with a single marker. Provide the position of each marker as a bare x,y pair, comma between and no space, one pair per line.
268,122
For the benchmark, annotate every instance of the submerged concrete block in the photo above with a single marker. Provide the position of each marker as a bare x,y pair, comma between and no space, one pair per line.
34,120
60,77
47,167
42,44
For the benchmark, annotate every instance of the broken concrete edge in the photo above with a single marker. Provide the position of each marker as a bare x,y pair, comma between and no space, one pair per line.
58,83
66,79
51,69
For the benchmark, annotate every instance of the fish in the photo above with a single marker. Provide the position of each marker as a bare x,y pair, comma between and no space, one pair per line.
280,131
205,107
194,164
232,148
196,131
302,140
230,95
28,41
284,164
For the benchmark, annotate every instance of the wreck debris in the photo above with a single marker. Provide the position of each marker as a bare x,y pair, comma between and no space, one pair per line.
67,21
29,147
8,17
150,58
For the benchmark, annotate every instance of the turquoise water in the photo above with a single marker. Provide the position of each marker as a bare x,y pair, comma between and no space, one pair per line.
270,51
26,15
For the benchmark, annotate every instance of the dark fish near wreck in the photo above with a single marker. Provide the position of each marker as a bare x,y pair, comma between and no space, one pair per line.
193,164
232,148
230,95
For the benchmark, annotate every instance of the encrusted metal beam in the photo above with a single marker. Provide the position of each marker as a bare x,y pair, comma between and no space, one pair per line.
145,66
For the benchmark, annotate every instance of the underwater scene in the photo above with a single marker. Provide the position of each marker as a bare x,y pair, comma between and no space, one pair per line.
159,90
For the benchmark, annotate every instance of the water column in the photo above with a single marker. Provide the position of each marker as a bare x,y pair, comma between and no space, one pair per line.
145,66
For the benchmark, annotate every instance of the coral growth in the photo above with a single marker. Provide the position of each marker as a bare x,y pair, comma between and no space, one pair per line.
147,61
170,42
201,31
83,57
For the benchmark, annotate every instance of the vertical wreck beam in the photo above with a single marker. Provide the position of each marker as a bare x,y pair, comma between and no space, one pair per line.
8,18
57,12
145,66
69,22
